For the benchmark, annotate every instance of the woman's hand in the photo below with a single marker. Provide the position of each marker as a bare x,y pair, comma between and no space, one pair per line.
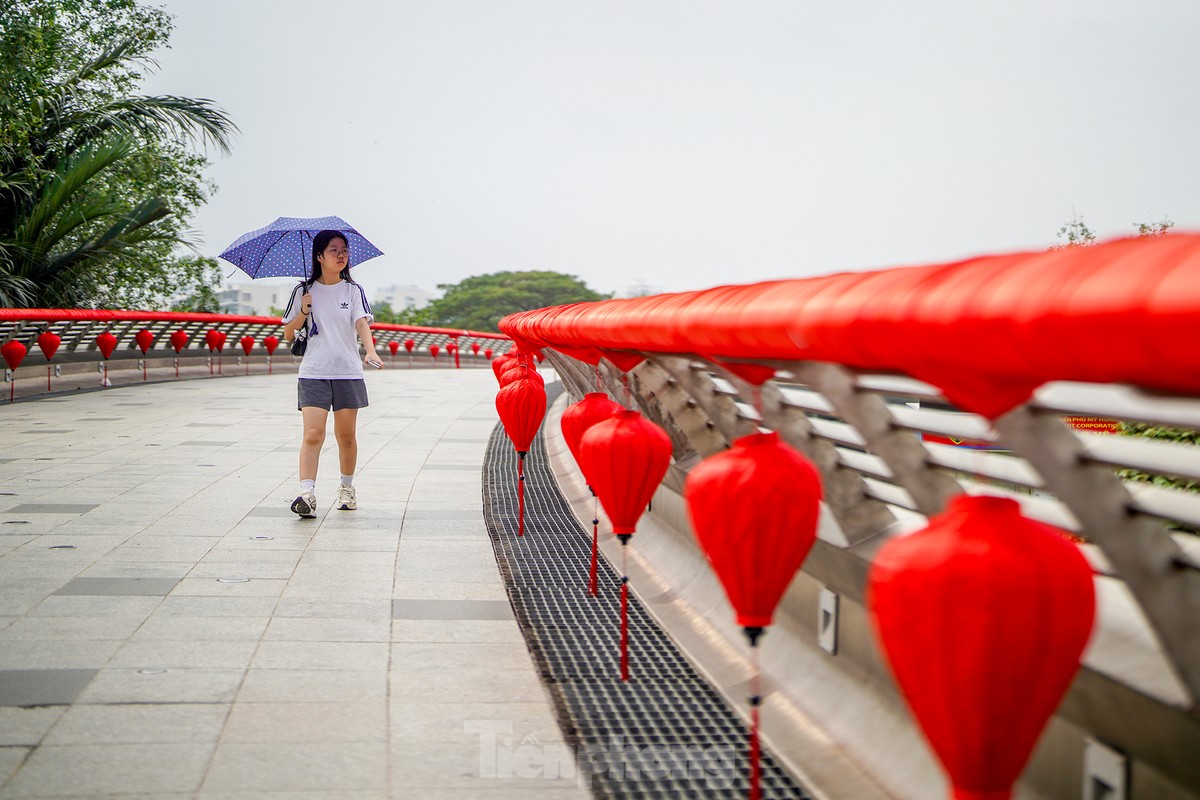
306,303
372,359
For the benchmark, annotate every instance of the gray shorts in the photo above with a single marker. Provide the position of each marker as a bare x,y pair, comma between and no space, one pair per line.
335,394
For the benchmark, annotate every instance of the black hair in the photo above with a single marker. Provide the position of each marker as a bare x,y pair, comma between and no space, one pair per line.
319,243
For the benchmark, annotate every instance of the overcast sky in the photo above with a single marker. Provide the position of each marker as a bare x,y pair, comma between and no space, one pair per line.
689,143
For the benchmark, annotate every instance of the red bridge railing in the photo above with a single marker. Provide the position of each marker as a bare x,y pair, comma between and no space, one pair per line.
987,331
202,344
1003,376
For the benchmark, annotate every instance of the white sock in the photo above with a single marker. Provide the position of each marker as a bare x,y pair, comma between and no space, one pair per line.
307,486
348,480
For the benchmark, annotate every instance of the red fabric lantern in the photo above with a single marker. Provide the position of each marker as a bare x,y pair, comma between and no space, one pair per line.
394,346
270,342
179,340
501,363
49,341
625,458
434,350
144,339
409,344
521,405
13,353
475,348
983,616
211,337
247,343
107,343
595,407
221,337
488,353
754,542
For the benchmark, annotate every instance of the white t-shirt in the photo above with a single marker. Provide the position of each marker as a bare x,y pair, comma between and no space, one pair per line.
332,352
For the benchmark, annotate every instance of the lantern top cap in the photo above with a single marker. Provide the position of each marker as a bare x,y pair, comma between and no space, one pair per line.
961,504
758,439
965,502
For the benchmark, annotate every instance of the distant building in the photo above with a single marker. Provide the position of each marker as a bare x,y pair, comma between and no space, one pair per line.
254,299
639,288
402,297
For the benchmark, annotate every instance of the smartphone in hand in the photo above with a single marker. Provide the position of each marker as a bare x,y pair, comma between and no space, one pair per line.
375,364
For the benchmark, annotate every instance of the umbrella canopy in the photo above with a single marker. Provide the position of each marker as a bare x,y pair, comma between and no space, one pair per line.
284,248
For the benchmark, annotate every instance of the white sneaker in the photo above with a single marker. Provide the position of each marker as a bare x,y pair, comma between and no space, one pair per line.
305,505
345,499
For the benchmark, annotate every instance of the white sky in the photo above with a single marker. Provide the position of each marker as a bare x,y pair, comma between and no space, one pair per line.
690,143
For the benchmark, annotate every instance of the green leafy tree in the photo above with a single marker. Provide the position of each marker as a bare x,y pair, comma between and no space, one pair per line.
406,316
1158,228
198,278
96,182
478,303
1076,233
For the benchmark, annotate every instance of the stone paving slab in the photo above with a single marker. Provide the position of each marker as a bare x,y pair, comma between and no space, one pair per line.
169,629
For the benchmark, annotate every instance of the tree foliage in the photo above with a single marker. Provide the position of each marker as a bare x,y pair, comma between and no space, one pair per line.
1159,228
96,182
1076,233
478,303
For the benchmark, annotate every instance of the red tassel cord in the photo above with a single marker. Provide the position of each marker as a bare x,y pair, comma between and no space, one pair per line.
755,701
47,379
624,612
624,628
755,770
593,584
521,495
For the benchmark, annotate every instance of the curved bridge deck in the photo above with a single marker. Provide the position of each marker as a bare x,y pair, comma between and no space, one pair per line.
169,629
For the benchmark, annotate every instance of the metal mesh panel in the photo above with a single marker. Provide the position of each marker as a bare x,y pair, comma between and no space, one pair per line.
664,734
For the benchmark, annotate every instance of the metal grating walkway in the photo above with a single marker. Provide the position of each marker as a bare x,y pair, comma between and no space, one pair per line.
664,734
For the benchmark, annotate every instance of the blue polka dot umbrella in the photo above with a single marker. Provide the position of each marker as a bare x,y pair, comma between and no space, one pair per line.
284,248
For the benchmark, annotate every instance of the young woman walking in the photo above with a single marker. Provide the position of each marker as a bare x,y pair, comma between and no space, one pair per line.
331,374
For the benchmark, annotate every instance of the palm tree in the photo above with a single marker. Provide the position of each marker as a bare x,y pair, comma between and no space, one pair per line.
65,210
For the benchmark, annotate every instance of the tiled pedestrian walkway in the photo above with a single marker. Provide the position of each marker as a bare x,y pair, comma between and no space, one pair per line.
169,630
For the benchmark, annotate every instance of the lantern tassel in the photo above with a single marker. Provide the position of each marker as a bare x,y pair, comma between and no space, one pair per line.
47,378
624,611
755,753
593,584
624,628
521,494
